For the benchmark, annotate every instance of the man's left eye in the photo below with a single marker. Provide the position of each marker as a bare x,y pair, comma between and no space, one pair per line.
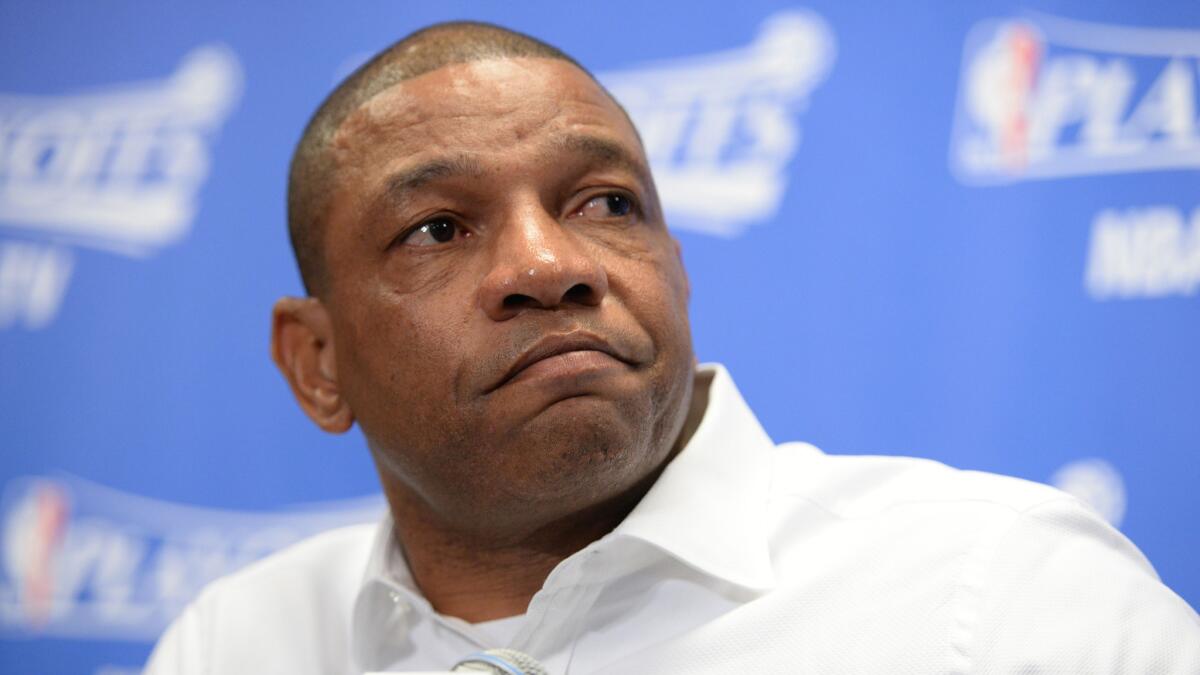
606,206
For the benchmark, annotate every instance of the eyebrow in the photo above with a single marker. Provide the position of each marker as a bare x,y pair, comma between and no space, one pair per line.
596,151
604,152
402,184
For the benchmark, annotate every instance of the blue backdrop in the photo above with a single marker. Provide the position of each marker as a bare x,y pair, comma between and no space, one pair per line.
965,231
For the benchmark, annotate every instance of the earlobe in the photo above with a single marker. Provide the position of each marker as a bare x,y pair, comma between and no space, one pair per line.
303,348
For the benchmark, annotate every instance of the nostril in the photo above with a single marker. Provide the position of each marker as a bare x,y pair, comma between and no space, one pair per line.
579,293
518,301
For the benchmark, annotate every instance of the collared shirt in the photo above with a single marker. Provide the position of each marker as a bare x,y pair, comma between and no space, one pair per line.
744,557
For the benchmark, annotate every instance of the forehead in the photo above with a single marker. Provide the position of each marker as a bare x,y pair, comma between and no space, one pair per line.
478,106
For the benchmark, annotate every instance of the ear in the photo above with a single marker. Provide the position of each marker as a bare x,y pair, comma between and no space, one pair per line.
302,347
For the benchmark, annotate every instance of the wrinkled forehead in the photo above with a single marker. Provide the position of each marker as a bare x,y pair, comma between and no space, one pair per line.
480,102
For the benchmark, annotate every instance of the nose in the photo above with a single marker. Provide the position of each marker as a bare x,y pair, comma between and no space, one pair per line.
537,263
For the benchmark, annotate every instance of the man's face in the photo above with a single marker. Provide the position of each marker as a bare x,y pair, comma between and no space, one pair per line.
508,307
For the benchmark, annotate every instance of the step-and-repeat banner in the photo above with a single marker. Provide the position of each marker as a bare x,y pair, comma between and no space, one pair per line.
964,231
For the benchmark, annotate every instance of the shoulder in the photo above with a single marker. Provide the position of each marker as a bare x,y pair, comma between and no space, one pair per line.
923,517
947,512
292,605
853,485
1018,573
321,571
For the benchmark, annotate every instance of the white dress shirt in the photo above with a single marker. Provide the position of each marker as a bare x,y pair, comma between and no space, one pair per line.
745,557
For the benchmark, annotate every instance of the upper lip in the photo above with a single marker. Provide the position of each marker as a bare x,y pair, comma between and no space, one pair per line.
553,345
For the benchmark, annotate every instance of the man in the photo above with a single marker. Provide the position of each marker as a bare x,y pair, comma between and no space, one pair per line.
495,299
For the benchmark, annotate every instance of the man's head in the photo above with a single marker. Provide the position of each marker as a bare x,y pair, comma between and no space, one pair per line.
495,296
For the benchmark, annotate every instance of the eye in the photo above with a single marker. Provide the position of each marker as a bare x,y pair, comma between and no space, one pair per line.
431,233
612,205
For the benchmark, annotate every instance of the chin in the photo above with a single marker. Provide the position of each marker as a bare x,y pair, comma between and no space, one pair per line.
585,452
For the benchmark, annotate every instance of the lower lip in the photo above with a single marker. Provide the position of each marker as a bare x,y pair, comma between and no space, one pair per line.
568,365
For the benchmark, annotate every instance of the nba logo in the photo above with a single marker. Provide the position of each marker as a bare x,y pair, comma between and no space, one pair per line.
1051,98
1002,89
33,535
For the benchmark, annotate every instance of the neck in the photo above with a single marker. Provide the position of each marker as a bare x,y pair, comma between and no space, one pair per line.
478,578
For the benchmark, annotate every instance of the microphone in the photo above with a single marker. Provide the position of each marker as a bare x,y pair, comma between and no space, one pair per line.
500,662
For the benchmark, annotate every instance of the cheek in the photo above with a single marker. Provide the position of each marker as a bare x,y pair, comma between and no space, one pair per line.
417,281
655,294
655,286
401,357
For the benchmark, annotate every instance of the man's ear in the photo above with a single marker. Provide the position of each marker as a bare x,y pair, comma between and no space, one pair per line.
302,347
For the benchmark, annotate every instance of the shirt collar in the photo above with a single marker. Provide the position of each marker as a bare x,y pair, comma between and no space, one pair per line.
708,507
385,606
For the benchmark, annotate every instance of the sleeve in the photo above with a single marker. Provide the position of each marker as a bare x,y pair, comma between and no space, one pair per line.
1064,592
182,649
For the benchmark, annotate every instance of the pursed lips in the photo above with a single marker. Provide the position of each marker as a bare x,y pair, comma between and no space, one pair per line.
582,351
